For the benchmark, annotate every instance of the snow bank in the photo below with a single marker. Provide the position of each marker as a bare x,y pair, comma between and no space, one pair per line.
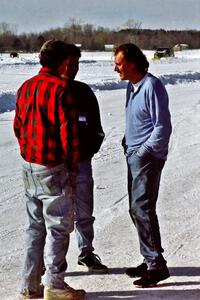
96,69
7,101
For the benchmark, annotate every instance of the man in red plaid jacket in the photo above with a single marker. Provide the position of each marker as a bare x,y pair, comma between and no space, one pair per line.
46,129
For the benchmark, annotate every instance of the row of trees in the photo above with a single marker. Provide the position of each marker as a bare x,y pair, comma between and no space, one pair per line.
95,38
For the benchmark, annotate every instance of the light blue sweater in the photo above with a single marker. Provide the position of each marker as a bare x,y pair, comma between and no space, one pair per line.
148,122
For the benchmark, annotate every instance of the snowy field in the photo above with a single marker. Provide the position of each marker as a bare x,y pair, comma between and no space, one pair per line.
115,237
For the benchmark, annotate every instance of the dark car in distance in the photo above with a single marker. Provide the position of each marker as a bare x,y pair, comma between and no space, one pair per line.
163,52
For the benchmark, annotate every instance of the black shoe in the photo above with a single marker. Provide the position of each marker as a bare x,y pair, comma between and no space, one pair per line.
138,271
151,278
93,263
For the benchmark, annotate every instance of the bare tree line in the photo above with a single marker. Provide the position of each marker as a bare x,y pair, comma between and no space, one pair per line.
91,37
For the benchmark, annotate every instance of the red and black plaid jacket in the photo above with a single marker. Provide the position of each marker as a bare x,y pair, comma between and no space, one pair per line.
45,121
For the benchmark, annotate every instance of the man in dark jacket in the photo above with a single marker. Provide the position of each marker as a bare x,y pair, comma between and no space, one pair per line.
91,136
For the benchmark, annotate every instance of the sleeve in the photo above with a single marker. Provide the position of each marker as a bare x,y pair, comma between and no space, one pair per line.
17,119
68,129
98,133
161,119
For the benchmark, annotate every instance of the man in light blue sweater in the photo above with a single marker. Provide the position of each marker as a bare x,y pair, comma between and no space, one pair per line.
147,134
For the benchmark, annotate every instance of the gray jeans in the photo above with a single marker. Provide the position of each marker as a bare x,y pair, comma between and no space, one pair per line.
50,210
84,207
144,175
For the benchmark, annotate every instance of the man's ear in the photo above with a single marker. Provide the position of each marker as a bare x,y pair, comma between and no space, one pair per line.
133,66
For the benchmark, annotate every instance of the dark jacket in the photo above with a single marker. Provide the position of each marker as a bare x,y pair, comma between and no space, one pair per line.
90,131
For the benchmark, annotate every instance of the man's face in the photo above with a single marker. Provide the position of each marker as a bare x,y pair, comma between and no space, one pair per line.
123,67
72,67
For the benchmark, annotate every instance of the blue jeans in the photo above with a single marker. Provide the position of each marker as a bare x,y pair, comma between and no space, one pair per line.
143,185
84,207
50,210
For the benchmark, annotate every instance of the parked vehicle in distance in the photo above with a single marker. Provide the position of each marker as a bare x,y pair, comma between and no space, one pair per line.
163,52
180,47
14,54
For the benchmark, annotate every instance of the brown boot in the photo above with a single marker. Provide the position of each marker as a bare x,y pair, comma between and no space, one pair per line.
68,293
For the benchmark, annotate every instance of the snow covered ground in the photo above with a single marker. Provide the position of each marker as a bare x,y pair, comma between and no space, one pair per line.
115,237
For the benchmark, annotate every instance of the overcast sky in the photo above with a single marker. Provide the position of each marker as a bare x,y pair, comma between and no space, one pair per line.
40,15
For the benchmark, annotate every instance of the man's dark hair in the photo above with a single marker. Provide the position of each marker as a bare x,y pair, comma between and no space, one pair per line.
133,54
53,53
73,50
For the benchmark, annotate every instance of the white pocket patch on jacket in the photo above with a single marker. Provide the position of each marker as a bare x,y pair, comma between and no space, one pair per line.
82,118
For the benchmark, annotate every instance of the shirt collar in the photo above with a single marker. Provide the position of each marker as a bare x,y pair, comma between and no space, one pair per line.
135,86
48,70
